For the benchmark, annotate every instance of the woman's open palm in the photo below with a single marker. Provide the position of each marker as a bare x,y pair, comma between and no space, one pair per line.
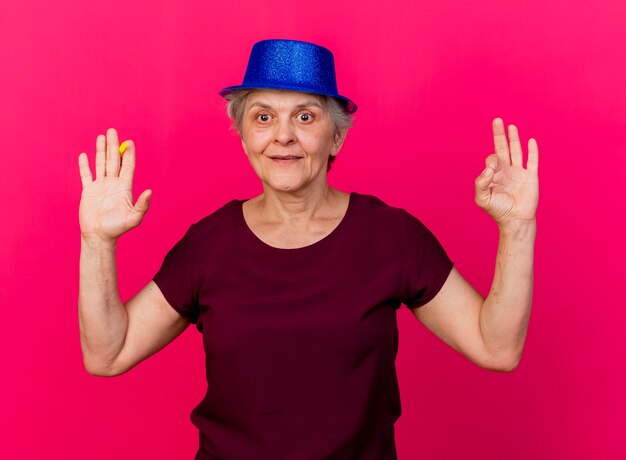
106,205
506,190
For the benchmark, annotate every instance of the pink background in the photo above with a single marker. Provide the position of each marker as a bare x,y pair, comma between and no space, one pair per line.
428,80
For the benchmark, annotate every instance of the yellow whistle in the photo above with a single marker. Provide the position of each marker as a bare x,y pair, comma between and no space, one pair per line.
122,147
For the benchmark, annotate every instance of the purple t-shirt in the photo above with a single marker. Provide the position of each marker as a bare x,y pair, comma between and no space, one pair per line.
301,343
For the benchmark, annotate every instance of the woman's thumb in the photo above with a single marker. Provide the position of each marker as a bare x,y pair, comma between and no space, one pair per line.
143,202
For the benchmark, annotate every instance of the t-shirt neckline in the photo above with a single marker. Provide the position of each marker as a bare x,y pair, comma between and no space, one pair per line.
327,239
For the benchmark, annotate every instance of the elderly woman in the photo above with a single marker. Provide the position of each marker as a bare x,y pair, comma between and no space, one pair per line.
296,290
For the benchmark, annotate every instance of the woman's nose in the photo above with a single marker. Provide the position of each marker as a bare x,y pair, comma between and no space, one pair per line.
284,133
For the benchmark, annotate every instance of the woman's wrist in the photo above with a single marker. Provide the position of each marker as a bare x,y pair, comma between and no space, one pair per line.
518,228
96,243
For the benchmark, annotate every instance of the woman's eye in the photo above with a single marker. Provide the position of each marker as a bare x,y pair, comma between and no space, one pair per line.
263,117
305,116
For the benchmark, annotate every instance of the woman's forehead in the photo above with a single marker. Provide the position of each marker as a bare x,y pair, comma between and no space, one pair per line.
274,97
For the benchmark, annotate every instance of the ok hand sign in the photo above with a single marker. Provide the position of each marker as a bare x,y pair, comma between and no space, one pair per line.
505,190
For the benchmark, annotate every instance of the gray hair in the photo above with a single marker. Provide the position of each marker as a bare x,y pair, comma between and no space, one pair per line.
340,118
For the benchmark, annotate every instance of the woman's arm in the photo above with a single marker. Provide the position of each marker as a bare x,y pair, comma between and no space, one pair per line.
491,332
509,193
101,314
456,316
115,337
505,313
106,212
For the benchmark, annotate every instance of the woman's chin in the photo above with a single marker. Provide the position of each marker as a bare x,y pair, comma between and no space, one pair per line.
285,187
285,184
289,181
282,181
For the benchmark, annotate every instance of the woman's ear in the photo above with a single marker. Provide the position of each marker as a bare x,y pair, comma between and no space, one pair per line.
243,144
339,138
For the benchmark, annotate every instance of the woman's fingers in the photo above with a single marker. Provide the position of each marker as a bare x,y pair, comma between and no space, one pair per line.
83,166
482,182
533,156
517,156
492,161
128,162
100,156
500,143
113,155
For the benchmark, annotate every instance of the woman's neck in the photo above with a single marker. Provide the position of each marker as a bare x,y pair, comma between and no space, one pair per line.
297,207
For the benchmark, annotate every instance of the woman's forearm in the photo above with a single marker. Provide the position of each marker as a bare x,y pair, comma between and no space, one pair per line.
101,314
506,311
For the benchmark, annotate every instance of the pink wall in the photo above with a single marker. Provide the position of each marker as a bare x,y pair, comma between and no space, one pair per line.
428,78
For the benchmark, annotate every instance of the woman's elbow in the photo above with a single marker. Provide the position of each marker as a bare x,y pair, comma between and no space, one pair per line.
501,363
99,370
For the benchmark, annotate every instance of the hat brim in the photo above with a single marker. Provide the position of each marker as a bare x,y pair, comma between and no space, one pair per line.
348,104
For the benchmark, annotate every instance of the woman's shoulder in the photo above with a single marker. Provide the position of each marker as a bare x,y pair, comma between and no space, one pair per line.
375,205
220,219
381,212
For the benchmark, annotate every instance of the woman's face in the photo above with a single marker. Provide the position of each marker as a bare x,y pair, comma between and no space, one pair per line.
288,136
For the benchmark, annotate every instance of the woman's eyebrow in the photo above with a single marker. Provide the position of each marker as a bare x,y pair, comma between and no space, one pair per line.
299,106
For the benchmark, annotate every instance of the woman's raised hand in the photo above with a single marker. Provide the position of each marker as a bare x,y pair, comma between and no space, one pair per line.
505,189
106,204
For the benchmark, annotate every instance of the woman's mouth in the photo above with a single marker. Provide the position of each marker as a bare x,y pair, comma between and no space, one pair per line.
286,159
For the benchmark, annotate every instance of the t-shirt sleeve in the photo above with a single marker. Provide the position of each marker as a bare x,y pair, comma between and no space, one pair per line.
176,278
427,264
